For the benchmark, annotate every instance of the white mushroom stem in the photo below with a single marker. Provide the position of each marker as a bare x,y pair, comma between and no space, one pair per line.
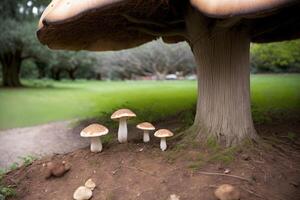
146,137
96,144
122,132
163,144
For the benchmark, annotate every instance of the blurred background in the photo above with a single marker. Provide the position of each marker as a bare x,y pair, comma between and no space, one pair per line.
39,85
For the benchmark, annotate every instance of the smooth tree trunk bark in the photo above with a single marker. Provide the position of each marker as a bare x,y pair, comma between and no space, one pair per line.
223,105
11,66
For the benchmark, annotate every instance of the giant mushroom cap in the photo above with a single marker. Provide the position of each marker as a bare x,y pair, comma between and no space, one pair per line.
100,25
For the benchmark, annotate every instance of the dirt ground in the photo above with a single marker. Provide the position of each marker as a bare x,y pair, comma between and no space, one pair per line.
270,170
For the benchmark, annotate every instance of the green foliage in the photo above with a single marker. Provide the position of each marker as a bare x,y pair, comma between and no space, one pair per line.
291,136
28,160
276,57
6,191
22,9
13,166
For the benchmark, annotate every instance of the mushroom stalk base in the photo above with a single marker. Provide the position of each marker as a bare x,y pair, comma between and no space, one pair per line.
122,132
96,144
163,144
146,137
223,106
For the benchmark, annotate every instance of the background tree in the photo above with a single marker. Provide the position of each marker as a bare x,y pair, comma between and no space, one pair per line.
17,26
14,48
154,59
276,57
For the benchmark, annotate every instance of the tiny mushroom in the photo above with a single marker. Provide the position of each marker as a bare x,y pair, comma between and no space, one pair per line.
94,131
163,134
82,193
90,184
122,115
146,127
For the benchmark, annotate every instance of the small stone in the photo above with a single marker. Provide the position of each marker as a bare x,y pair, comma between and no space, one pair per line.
227,171
90,184
227,192
56,169
82,193
141,149
174,197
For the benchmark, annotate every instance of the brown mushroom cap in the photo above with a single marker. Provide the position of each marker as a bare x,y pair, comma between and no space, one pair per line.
230,8
162,133
123,113
97,25
94,130
101,25
145,126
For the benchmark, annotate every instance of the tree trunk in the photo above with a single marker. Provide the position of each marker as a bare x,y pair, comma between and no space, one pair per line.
99,76
41,66
11,66
55,74
223,106
71,73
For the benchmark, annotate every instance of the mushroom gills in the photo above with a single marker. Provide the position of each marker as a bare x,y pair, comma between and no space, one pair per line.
163,144
146,137
122,132
96,144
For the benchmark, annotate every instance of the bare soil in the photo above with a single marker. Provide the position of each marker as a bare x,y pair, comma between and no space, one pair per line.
268,170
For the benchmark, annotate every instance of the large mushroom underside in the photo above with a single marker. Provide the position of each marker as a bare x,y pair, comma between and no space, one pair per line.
219,35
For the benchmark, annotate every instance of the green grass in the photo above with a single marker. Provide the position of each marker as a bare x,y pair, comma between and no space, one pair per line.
46,101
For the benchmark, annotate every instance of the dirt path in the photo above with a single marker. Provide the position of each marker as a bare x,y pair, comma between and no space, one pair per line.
38,141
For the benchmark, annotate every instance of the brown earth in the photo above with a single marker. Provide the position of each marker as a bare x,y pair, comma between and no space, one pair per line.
268,170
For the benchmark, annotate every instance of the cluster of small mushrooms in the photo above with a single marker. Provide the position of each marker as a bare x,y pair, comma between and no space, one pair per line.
95,131
85,192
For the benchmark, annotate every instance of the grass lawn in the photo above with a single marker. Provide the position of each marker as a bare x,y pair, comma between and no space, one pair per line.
46,101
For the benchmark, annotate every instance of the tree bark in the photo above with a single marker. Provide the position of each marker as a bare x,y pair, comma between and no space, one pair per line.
55,74
71,73
41,66
98,76
11,66
223,106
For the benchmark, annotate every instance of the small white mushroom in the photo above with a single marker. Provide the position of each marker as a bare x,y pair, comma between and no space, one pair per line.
122,115
146,127
82,193
174,197
227,192
94,131
90,184
163,134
